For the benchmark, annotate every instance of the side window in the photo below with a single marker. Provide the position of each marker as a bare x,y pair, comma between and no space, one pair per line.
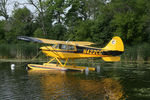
71,47
64,47
54,45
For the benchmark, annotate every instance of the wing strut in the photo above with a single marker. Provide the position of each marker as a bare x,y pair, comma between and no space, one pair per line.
58,61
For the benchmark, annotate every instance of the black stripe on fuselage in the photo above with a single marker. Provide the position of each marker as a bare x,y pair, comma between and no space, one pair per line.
81,49
92,51
98,51
112,53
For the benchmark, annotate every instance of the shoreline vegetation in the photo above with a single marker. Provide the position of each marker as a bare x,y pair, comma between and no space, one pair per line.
29,52
76,20
42,61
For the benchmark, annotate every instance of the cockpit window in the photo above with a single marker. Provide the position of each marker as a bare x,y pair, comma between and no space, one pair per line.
71,47
54,45
65,47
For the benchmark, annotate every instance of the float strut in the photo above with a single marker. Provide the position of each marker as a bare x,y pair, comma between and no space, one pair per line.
51,60
60,62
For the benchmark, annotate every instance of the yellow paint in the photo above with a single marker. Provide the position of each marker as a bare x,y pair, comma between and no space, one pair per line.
111,59
64,55
115,44
81,68
81,43
58,82
50,66
57,53
46,67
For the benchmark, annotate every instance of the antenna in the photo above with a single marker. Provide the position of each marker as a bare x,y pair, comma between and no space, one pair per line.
67,40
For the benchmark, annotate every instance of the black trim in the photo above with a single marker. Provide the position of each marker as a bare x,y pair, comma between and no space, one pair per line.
112,53
62,51
25,38
80,50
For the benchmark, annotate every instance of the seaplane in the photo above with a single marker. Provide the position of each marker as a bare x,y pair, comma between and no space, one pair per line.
62,51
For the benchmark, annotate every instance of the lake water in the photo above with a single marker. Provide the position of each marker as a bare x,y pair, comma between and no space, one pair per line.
113,81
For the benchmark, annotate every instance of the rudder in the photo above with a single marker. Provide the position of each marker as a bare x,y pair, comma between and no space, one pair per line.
115,44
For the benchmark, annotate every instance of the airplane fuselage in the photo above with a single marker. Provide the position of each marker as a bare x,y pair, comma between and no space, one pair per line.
77,52
79,49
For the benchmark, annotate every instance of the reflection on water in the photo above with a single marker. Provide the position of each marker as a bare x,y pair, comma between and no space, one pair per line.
56,85
114,81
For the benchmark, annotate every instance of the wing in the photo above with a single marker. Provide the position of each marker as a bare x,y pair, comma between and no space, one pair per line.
48,41
81,43
25,38
40,40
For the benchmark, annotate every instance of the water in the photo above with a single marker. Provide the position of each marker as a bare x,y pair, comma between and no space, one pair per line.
114,81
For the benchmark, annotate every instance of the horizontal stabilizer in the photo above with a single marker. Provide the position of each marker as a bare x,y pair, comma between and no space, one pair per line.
111,59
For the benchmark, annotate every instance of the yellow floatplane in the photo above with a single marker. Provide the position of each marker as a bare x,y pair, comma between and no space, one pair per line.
65,50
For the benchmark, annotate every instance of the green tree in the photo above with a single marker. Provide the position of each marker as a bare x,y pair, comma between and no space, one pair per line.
130,19
73,16
2,31
20,24
83,31
102,31
38,33
58,31
3,9
40,7
55,11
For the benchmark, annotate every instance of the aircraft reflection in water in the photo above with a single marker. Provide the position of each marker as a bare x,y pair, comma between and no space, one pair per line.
64,85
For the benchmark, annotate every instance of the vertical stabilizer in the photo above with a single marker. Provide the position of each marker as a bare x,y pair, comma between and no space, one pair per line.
115,44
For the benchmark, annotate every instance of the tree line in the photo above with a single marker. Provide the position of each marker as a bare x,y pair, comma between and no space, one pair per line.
79,20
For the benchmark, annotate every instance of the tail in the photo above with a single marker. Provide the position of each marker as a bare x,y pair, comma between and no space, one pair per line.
114,48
